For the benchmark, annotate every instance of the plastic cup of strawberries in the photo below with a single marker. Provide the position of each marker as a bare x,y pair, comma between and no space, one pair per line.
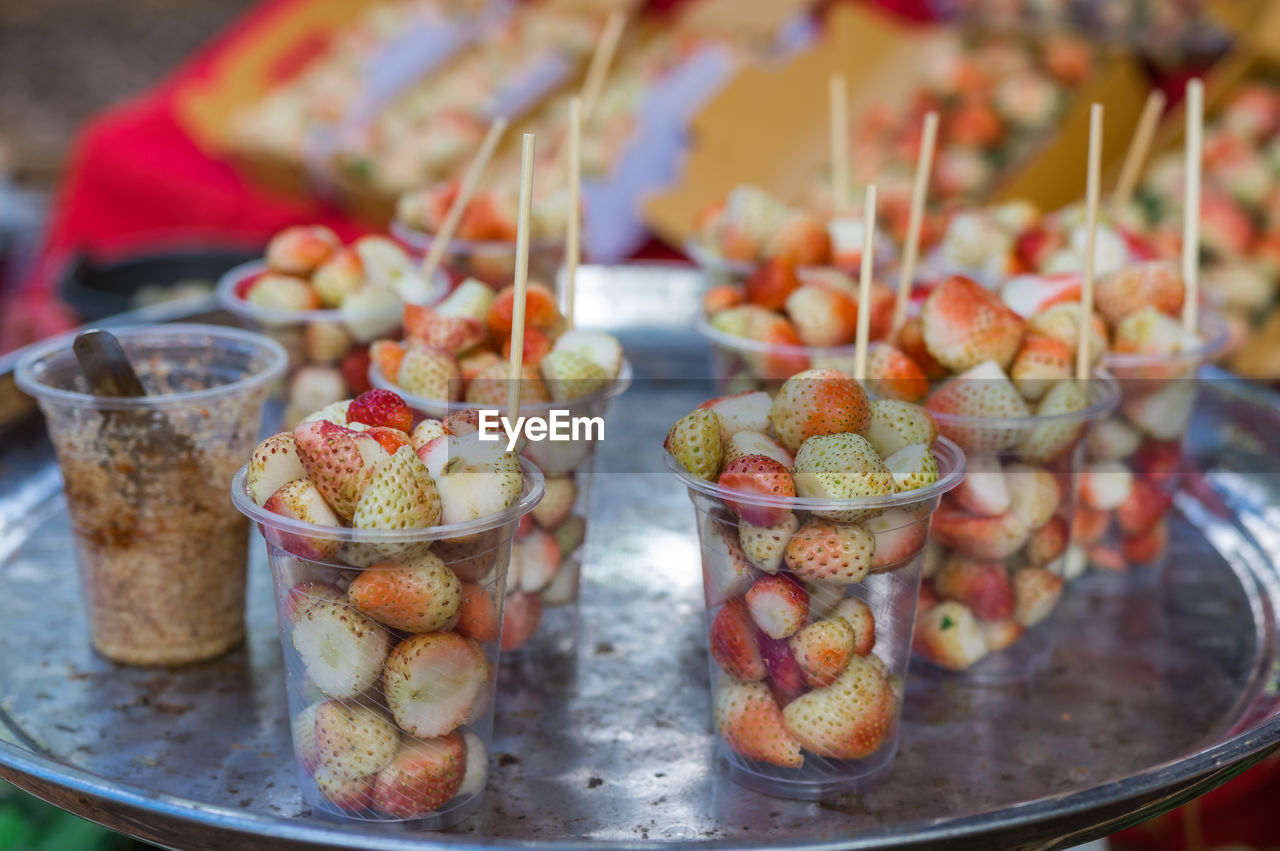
813,511
455,359
325,302
389,575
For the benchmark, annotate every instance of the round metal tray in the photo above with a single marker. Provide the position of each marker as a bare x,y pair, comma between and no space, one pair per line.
1150,701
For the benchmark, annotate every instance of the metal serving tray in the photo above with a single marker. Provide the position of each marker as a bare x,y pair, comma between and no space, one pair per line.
1149,702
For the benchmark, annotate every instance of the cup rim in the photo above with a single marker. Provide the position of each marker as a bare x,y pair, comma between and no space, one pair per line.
421,240
531,494
275,368
432,406
1095,410
1213,334
226,292
952,467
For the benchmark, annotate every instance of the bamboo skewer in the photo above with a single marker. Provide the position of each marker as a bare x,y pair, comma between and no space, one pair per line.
468,188
1191,207
1091,235
919,194
572,247
1139,148
528,143
601,59
838,107
864,287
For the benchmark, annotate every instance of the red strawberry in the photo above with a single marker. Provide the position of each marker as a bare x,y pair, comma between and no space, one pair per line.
758,475
802,241
477,616
434,683
733,642
390,439
1107,558
785,679
540,309
893,375
972,124
424,776
911,343
720,297
520,617
771,284
778,604
749,719
1155,284
1089,525
849,719
815,402
386,355
301,249
822,317
741,412
536,346
823,650
982,586
340,462
1035,245
1035,593
964,325
1159,461
830,552
419,596
1142,508
1048,542
981,537
1146,546
380,408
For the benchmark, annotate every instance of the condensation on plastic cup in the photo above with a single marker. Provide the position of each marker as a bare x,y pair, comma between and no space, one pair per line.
881,607
1004,531
490,261
161,552
555,608
1128,545
413,765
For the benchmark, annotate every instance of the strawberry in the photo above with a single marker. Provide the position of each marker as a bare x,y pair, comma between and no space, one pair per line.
535,560
1034,494
848,237
913,467
569,375
477,615
849,719
1001,634
570,534
772,283
756,443
1061,322
300,500
891,425
891,374
981,585
721,297
1035,593
858,615
540,309
828,552
1147,331
983,393
1147,546
1047,442
386,355
1040,363
694,441
785,680
380,408
488,388
300,249
471,299
1160,462
823,649
390,439
822,317
911,343
312,388
841,466
1155,284
1030,295
435,682
800,240
1144,506
1106,558
326,342
353,740
342,650
965,325
401,495
598,347
430,372
557,503
899,535
984,490
1047,542
778,604
757,475
744,412
478,480
536,347
981,537
355,369
274,463
949,636
477,769
424,775
726,570
476,363
733,642
338,278
424,432
456,334
1089,525
302,595
818,402
764,546
419,596
753,322
521,614
348,794
281,292
750,722
1112,440
1104,485
303,731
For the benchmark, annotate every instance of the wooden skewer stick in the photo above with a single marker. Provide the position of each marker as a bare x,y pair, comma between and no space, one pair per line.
919,194
839,112
864,287
601,59
468,188
522,277
572,247
1091,235
1139,147
1191,208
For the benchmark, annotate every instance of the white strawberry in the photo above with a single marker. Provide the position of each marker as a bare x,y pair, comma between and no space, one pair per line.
748,718
841,466
891,425
1047,442
823,650
984,489
764,545
725,569
1034,494
1164,413
424,432
596,347
570,375
535,560
371,313
849,719
335,413
477,769
435,682
558,457
1035,593
349,794
341,462
1104,485
913,467
424,776
326,342
430,372
305,747
313,387
861,620
469,300
1112,440
401,495
342,649
984,393
353,740
300,500
745,412
557,503
948,635
479,479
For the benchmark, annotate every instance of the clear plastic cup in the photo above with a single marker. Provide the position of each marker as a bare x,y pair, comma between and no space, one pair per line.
390,702
490,261
721,270
1001,548
772,694
544,594
1135,460
161,550
328,349
739,364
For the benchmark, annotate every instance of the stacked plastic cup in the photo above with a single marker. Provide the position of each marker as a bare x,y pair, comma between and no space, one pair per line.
781,730
546,562
1134,465
391,706
1000,549
324,345
161,552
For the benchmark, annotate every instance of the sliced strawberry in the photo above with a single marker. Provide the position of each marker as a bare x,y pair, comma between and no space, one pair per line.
302,595
1089,525
721,297
433,683
1035,592
981,537
1001,634
541,310
1047,542
390,439
949,636
757,475
386,355
900,535
339,461
274,463
536,560
1147,546
778,604
301,500
964,325
785,679
342,650
733,642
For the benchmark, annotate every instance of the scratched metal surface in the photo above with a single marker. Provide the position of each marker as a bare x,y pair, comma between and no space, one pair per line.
1148,700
